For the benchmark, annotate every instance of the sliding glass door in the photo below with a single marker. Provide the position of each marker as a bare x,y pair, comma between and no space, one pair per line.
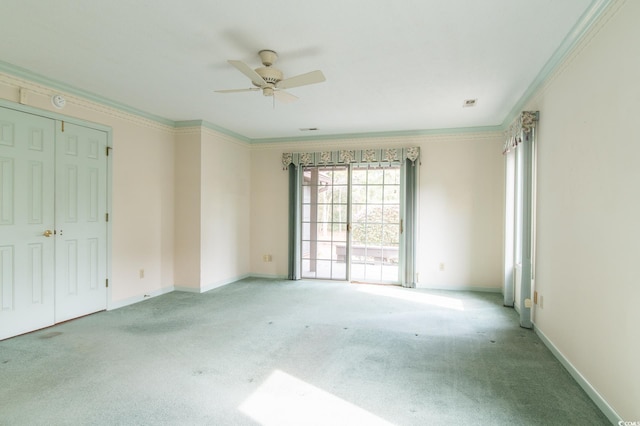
351,223
376,224
325,205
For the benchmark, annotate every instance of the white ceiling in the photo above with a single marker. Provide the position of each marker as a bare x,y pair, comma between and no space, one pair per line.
391,65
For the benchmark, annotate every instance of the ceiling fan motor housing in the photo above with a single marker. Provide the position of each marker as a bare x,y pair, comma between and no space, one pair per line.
269,74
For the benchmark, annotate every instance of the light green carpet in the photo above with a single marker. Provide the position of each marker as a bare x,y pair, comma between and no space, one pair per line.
280,352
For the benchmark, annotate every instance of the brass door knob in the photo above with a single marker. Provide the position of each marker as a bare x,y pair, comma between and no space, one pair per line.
47,233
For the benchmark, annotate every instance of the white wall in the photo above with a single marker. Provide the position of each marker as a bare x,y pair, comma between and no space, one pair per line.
143,195
589,208
460,207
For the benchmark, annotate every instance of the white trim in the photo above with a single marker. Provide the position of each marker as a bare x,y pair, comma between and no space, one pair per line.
268,276
186,289
459,288
135,299
223,283
605,11
211,286
602,404
82,100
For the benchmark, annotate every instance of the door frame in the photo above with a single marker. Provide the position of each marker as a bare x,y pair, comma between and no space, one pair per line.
92,125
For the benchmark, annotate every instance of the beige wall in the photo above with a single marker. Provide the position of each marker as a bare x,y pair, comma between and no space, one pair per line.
188,208
191,211
180,199
225,210
589,209
213,179
461,212
269,211
142,197
460,207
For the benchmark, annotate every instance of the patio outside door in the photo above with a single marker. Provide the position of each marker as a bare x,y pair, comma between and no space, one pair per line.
351,223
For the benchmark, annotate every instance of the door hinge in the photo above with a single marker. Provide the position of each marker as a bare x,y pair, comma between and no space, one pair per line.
107,283
106,216
62,126
108,150
401,226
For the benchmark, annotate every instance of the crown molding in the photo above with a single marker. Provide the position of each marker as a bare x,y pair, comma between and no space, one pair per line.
96,102
560,56
378,135
92,97
373,141
207,125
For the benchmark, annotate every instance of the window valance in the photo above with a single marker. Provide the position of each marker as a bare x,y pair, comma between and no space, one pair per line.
521,127
340,157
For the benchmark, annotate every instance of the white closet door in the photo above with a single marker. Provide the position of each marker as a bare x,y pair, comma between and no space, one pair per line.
81,225
26,214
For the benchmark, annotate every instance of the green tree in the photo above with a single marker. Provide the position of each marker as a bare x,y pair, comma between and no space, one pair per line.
377,226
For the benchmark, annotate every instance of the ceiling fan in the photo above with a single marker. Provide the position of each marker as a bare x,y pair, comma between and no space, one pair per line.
270,80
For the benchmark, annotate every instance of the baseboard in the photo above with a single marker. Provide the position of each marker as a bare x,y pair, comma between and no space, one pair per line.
212,285
135,299
461,288
223,283
187,289
268,276
602,404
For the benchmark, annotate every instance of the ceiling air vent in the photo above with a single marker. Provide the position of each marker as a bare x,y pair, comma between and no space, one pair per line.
308,129
469,103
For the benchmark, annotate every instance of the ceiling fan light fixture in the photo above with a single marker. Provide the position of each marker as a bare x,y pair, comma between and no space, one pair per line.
271,80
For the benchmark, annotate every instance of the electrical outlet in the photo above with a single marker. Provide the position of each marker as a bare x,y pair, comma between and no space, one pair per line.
141,273
541,304
267,258
441,267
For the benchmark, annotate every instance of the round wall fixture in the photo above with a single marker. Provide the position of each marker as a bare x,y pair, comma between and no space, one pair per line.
58,101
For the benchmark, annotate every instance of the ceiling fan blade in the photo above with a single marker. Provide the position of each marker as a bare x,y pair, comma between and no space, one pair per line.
312,77
251,89
246,70
284,97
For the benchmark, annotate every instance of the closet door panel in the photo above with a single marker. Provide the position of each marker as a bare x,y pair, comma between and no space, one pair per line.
81,243
26,222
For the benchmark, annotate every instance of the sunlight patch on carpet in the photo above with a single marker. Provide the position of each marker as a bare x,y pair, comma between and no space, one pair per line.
414,296
286,400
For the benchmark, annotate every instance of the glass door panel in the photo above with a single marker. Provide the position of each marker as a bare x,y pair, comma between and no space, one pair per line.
366,198
375,236
325,193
